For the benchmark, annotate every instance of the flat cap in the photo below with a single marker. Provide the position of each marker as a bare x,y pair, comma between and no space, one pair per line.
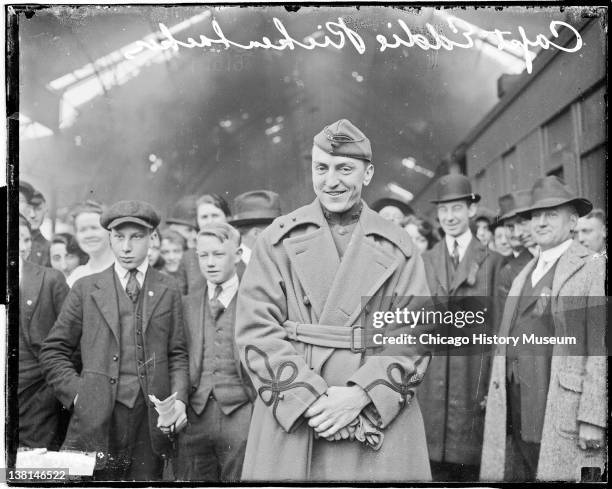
26,189
130,211
343,138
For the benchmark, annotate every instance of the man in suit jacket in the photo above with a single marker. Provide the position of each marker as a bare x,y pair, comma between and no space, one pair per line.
453,390
41,294
127,322
326,409
219,410
519,235
546,412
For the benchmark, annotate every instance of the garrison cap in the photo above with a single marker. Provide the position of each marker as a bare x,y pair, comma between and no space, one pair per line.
342,138
132,211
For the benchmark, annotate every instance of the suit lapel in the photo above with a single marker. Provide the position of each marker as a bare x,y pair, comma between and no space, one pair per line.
105,297
315,260
153,290
364,268
474,256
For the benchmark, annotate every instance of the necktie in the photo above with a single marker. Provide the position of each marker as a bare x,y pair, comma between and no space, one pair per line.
455,255
132,287
216,308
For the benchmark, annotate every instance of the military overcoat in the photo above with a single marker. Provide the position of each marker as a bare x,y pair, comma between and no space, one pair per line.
296,276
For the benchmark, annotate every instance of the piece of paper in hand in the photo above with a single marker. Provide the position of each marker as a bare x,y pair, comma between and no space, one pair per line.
165,409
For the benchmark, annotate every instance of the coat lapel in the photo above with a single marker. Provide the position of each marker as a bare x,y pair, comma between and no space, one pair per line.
105,297
569,263
364,268
315,260
31,283
153,290
474,256
511,305
438,265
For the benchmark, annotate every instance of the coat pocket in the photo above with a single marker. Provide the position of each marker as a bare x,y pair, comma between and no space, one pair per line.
567,403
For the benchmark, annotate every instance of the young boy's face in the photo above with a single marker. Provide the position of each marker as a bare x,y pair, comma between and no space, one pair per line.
218,259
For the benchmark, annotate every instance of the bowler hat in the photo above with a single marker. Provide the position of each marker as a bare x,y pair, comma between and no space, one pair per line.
549,192
513,203
130,211
184,212
256,207
454,187
380,204
26,189
343,138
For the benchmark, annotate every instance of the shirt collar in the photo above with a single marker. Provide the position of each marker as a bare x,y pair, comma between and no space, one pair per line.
552,254
228,284
122,272
463,240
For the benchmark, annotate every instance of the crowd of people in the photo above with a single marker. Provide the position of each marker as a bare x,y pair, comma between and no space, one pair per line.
223,343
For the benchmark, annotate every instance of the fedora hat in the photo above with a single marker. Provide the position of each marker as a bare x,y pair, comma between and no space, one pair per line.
256,207
380,204
454,187
184,212
511,204
549,192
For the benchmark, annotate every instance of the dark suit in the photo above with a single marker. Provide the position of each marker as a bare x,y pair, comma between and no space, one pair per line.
212,447
42,292
40,253
455,385
508,272
90,319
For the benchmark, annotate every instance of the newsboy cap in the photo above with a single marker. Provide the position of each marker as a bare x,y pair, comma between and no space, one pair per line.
256,207
342,138
454,187
130,211
549,192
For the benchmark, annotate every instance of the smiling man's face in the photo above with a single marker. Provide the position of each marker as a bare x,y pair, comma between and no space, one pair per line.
338,180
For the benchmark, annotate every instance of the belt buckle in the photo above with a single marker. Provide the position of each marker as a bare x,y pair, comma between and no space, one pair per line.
360,349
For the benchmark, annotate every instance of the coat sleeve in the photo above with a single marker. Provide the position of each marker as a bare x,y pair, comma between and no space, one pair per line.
280,374
178,356
390,381
593,407
56,354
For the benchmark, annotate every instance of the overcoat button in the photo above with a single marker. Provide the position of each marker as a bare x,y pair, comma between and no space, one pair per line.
294,219
281,225
496,384
29,302
115,358
306,300
113,380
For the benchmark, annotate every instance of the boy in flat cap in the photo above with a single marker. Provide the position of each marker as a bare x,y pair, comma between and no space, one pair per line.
127,323
546,413
453,391
326,411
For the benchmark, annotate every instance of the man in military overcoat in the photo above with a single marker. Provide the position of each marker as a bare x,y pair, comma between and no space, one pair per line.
326,410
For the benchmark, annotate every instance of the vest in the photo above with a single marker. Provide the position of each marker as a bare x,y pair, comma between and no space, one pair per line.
131,351
529,365
219,375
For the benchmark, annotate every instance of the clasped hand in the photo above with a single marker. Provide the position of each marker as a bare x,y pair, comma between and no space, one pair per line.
331,413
